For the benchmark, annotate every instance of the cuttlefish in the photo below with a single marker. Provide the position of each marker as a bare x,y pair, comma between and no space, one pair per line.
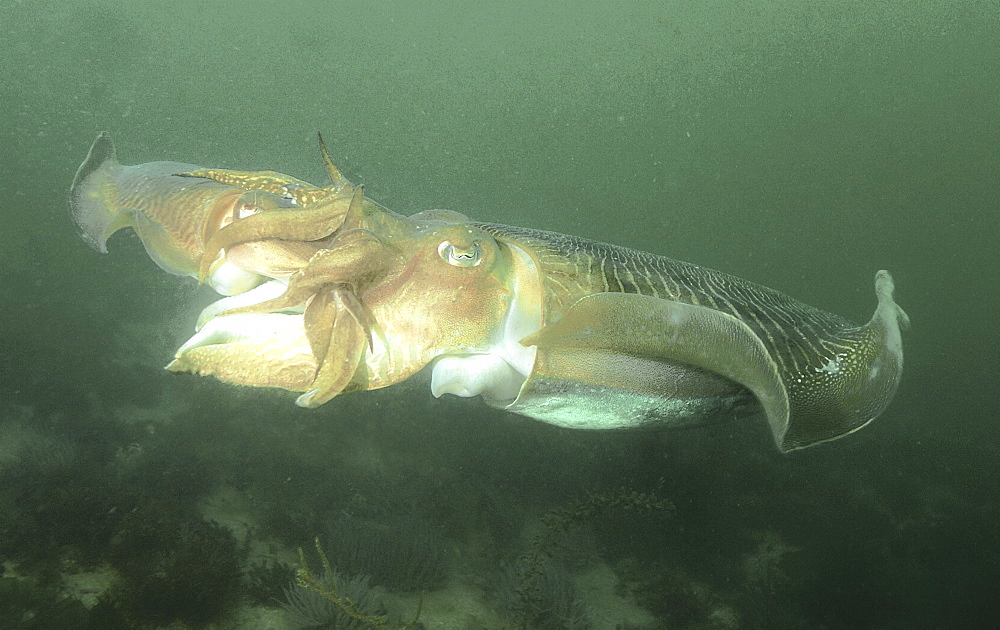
331,293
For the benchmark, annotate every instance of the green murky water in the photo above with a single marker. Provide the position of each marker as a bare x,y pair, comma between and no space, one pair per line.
798,146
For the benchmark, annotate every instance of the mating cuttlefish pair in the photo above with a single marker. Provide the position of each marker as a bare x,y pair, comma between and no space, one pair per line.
329,293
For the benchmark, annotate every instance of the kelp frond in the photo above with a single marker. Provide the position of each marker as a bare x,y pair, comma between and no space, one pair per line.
327,588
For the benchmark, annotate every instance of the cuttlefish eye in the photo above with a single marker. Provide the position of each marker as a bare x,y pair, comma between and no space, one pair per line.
461,256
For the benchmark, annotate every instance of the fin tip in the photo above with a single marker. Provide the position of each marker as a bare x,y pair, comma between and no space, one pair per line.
885,288
92,213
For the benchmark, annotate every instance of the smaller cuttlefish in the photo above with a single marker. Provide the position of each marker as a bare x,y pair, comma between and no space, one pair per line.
331,293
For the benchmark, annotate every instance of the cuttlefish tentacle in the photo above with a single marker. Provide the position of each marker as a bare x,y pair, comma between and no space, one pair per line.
310,223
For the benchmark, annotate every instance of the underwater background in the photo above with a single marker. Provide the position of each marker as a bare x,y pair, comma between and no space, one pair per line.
801,145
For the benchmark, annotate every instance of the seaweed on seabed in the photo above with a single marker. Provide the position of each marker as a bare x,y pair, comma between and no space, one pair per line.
265,581
354,604
176,570
406,556
555,605
307,609
536,582
26,604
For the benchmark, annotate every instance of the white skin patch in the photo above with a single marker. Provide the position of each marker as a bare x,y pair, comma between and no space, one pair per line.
832,366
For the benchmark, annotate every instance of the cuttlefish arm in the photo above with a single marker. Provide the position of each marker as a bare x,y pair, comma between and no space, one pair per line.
310,223
175,217
336,324
280,350
300,192
439,289
277,343
319,211
334,317
338,336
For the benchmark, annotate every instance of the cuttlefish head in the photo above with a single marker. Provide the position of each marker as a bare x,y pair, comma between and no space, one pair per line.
452,303
387,296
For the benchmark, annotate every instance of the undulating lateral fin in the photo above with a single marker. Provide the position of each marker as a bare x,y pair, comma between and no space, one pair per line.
856,383
92,198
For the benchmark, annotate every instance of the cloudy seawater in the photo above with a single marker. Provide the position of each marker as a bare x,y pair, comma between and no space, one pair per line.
801,146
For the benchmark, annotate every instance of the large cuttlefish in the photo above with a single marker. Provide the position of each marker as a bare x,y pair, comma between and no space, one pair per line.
329,293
